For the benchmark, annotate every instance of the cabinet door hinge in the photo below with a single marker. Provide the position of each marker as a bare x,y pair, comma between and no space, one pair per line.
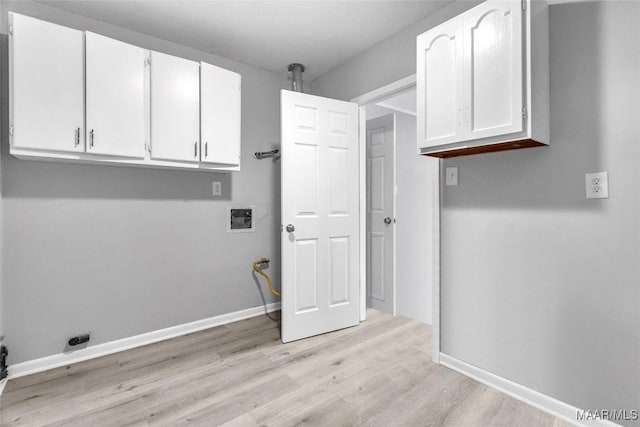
524,114
11,130
148,148
147,61
11,29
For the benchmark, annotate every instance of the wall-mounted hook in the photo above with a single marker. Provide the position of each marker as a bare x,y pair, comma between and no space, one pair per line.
263,154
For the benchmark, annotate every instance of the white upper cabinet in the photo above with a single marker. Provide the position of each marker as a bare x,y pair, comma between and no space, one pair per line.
175,108
47,86
114,97
219,115
482,80
78,96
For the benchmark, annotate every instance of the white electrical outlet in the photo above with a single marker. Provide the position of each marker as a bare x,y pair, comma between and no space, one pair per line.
597,185
217,188
451,176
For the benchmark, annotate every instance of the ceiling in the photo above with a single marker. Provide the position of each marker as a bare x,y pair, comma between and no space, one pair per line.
269,34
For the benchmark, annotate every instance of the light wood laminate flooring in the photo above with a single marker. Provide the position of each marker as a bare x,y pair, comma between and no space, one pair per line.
376,374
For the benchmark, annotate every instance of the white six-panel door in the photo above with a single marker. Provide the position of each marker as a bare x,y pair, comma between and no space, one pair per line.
493,69
47,85
175,108
219,115
115,97
439,85
380,214
320,215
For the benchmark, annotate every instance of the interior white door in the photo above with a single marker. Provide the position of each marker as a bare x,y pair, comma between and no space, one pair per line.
439,81
175,108
380,214
219,115
47,85
493,69
320,215
115,97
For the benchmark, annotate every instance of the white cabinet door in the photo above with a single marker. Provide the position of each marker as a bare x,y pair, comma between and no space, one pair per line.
439,85
493,69
175,108
47,85
114,97
219,115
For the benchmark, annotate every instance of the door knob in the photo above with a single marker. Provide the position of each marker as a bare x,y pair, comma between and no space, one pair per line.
387,220
291,228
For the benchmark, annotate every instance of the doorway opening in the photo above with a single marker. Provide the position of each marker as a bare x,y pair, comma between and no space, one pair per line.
401,207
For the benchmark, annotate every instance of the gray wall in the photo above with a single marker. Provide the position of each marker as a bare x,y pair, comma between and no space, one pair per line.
121,251
416,177
539,285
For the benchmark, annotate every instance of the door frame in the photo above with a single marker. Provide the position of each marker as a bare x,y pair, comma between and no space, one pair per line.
362,100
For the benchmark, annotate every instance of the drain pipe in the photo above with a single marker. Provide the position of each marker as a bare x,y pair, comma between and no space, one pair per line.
296,71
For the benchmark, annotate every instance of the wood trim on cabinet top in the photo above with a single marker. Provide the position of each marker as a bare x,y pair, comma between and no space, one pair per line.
481,149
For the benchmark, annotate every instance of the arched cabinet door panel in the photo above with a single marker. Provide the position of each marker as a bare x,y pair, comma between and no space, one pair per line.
439,85
493,69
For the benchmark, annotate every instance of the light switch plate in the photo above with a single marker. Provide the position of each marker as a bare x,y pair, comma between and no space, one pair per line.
451,176
597,185
217,188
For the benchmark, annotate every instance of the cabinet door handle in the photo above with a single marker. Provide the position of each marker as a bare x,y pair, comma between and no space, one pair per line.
206,149
91,138
195,149
77,137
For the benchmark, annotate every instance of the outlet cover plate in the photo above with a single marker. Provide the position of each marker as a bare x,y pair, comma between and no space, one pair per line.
597,185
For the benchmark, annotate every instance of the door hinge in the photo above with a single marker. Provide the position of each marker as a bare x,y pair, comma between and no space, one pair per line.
147,61
524,4
524,114
11,130
148,147
11,29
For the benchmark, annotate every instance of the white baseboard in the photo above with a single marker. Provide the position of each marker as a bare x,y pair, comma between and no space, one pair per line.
534,398
62,359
